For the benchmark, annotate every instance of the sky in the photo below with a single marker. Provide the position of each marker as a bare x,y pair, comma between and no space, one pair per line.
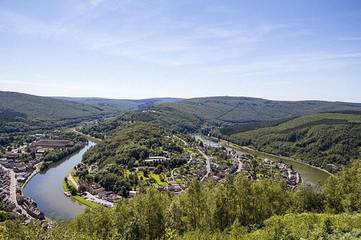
279,49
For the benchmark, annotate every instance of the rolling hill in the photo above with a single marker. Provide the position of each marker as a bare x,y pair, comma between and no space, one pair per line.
20,106
327,140
234,114
21,112
120,105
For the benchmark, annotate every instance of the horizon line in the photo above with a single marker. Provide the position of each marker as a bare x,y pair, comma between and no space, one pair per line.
181,98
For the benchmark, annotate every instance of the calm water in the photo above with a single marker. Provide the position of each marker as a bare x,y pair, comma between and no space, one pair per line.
46,189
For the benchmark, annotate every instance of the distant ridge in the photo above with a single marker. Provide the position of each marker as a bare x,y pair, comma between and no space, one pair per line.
120,105
235,112
31,107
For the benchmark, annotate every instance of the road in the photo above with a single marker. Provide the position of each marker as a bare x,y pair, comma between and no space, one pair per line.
236,158
208,164
182,140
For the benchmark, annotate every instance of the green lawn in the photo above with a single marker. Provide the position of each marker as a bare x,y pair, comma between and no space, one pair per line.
141,176
86,202
156,177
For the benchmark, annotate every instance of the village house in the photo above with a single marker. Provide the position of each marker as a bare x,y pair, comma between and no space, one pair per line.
174,187
156,159
132,193
30,207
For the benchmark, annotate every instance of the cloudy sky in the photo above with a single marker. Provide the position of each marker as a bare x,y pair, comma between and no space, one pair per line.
137,49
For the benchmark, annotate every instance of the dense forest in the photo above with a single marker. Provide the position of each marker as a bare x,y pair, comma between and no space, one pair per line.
131,143
327,140
238,209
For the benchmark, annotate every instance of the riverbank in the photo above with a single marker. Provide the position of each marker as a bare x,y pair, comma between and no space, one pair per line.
36,171
78,198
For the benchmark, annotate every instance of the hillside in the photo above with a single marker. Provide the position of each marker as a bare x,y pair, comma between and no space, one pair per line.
121,162
30,107
23,112
328,140
232,114
120,105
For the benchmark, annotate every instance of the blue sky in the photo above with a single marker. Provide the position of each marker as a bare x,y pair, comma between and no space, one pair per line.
288,50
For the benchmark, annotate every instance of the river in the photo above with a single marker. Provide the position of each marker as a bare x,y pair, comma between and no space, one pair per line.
47,191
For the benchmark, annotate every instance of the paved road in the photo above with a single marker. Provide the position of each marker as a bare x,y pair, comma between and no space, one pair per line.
236,159
208,164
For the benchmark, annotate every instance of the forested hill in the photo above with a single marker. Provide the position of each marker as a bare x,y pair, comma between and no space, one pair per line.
19,106
21,112
327,140
234,113
121,105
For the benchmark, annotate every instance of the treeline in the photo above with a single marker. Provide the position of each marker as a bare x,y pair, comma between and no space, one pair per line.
59,154
238,209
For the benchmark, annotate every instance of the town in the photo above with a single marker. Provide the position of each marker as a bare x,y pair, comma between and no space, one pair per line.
201,159
17,166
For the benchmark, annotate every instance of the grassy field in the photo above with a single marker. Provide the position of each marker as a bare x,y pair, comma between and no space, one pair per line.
85,202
